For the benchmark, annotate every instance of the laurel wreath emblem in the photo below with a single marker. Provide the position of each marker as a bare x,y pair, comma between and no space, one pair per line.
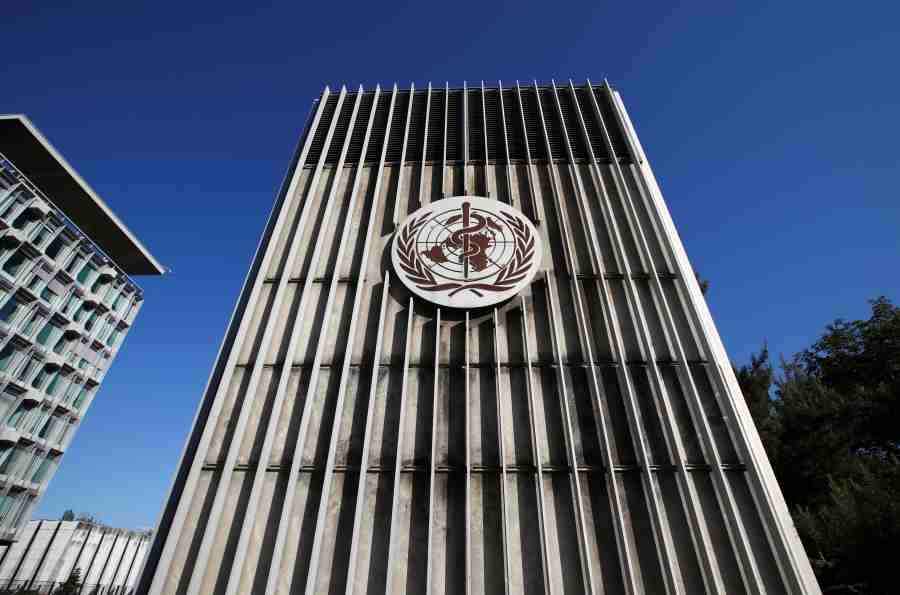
514,271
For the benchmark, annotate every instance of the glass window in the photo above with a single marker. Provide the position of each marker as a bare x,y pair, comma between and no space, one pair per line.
7,196
79,314
21,509
72,302
6,504
72,390
26,370
41,377
7,400
15,263
46,335
10,463
35,283
113,337
21,197
53,386
81,398
6,248
65,434
49,296
41,236
55,247
7,354
75,263
9,310
61,345
33,424
109,294
92,317
16,417
41,470
86,273
25,220
31,323
47,429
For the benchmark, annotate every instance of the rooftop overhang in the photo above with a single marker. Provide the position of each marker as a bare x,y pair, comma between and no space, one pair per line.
35,157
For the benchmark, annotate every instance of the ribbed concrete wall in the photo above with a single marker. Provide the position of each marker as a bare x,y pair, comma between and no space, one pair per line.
587,436
48,551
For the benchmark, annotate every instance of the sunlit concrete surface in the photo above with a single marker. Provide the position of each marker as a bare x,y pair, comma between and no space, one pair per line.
587,436
48,551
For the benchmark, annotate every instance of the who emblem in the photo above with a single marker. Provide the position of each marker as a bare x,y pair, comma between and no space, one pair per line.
466,252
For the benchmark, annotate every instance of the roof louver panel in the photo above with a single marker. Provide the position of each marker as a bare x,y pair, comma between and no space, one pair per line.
455,121
494,125
340,130
398,127
434,149
318,139
379,127
497,126
359,128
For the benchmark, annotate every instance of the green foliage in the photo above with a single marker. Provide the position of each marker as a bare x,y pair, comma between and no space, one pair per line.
830,422
72,584
68,515
852,536
756,382
703,283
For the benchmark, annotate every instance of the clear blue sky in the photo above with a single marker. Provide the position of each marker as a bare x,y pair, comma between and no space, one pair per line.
773,130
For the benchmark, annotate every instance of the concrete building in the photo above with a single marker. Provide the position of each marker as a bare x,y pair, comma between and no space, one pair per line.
48,551
586,435
66,303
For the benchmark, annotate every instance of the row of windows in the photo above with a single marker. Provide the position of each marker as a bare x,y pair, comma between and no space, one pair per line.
49,378
13,507
24,463
48,234
56,294
42,422
17,262
34,320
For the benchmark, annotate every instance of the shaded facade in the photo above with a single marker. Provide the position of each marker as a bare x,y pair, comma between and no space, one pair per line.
66,304
47,552
587,436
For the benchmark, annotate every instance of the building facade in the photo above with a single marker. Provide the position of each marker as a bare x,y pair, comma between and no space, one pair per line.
360,435
66,303
47,553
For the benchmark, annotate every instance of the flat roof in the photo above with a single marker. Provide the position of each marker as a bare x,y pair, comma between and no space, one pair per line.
35,157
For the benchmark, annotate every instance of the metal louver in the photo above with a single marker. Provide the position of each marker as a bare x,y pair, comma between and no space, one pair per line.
492,125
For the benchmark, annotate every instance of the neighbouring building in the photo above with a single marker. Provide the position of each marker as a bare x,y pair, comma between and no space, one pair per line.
47,553
471,356
67,300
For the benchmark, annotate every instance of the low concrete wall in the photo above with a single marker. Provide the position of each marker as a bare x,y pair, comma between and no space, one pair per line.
47,552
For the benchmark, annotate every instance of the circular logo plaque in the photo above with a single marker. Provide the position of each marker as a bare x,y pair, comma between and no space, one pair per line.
466,252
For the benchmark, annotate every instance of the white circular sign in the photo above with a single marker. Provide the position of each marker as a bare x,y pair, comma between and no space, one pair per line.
466,252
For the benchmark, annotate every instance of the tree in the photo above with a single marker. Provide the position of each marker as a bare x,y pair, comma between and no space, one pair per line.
703,283
68,515
756,383
72,584
830,422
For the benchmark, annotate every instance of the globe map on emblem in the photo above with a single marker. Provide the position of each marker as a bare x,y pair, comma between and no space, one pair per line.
466,252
